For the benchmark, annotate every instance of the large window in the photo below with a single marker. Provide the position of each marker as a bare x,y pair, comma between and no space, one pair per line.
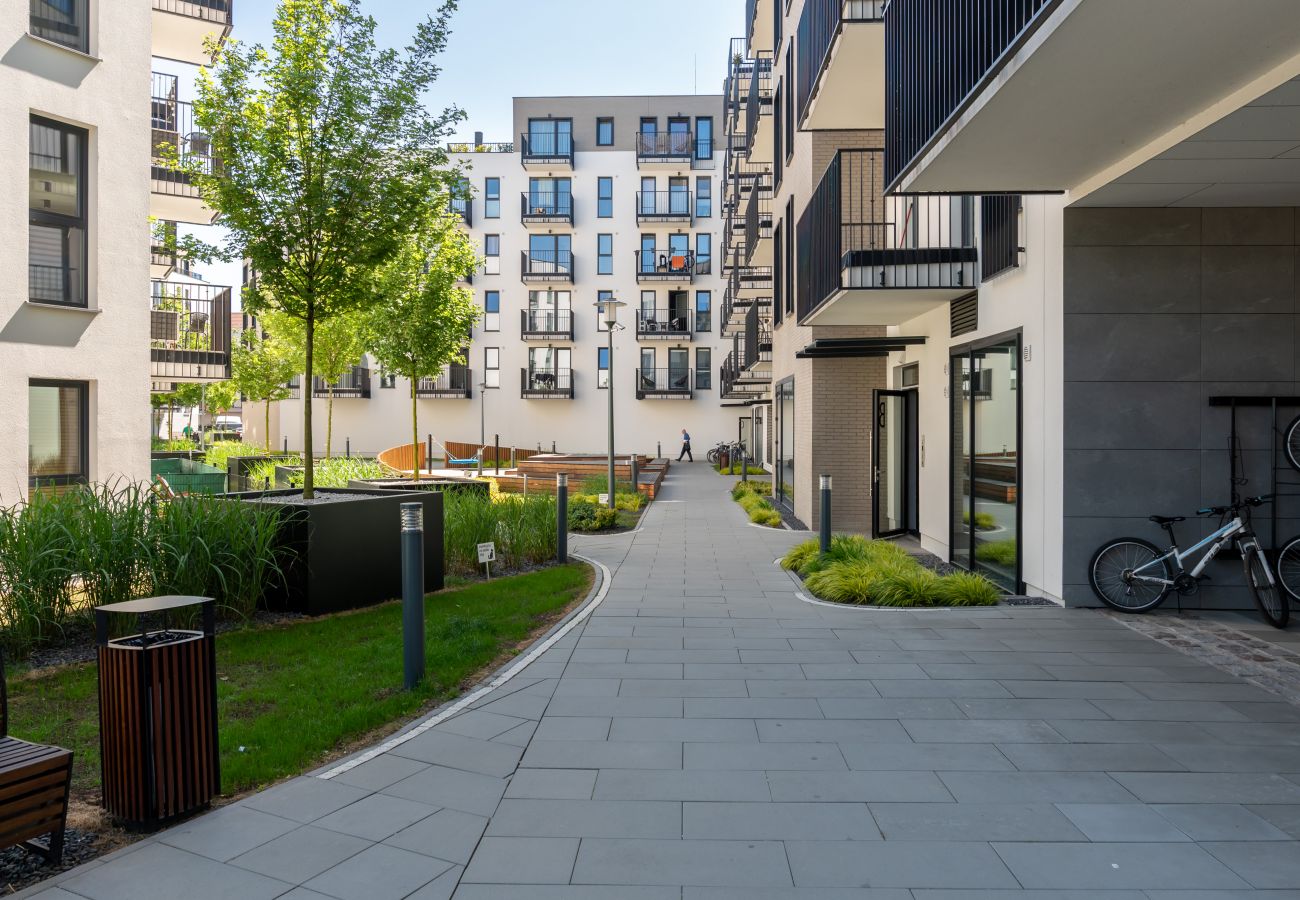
704,137
604,132
703,196
704,253
604,197
61,21
703,310
550,137
492,198
56,251
703,368
492,311
57,433
785,441
492,367
602,367
550,196
604,254
492,252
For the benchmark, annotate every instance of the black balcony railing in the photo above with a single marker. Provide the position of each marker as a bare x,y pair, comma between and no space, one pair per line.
553,265
852,236
180,149
552,324
464,207
671,382
218,11
664,145
759,102
495,147
546,383
189,331
354,384
671,322
938,53
547,207
664,265
556,149
758,223
454,382
999,234
62,22
665,206
819,26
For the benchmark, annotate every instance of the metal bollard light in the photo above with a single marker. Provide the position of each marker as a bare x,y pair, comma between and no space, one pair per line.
635,471
744,467
513,461
286,445
552,446
525,484
347,448
496,454
825,534
659,449
412,594
562,517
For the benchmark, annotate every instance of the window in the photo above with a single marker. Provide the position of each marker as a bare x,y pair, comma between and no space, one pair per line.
550,137
604,132
778,266
56,251
550,196
703,368
492,311
550,253
778,132
387,380
492,250
789,101
909,376
61,21
648,196
601,297
549,311
604,254
492,198
789,260
703,197
58,426
704,137
604,197
492,367
703,253
602,367
703,310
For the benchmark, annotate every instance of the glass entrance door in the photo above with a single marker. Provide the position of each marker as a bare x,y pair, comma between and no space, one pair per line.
893,448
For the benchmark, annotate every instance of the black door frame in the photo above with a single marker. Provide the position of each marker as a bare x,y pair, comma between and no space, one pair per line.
910,483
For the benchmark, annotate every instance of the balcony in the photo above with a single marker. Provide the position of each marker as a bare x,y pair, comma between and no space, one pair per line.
546,384
549,267
547,152
352,385
665,150
174,194
665,384
747,286
867,259
463,207
841,65
741,384
164,259
665,208
1032,104
667,267
759,139
758,230
189,331
180,28
672,323
546,325
759,23
546,209
454,383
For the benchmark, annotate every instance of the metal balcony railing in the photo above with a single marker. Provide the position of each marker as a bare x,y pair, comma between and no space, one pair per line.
454,382
546,265
176,135
354,384
671,322
189,331
220,12
547,148
671,382
760,97
665,206
819,25
758,222
552,207
554,324
464,207
664,145
668,265
546,383
494,147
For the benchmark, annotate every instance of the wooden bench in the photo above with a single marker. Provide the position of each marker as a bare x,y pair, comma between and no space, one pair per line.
34,784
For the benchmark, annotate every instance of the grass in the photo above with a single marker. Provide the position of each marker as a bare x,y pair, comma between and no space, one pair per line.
879,573
291,695
984,521
219,452
522,527
753,500
737,468
173,445
999,553
334,472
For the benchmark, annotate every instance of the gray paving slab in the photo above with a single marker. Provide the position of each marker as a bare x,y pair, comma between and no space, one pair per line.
1202,787
604,755
917,864
301,854
227,833
439,786
376,817
306,799
159,872
695,862
378,773
962,822
1121,822
448,834
459,752
587,818
1035,787
1219,822
552,784
379,872
1180,866
522,860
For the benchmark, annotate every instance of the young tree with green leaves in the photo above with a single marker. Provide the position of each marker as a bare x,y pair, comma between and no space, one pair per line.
329,160
423,315
262,365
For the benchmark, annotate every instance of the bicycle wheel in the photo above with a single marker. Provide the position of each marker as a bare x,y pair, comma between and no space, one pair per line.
1111,567
1287,569
1291,443
1270,599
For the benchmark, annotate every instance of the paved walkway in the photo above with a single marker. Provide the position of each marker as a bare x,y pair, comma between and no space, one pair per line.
705,735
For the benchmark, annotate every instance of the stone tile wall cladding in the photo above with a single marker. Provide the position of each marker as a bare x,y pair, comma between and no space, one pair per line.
1163,309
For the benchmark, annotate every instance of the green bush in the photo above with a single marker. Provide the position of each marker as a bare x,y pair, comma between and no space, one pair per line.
849,581
174,445
857,570
903,585
523,529
967,589
334,472
756,505
588,517
737,468
218,453
999,553
984,521
761,488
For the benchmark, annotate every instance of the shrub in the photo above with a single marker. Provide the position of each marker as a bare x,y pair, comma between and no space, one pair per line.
173,445
850,581
912,585
591,517
756,506
967,589
218,453
523,528
760,488
799,556
984,521
1000,553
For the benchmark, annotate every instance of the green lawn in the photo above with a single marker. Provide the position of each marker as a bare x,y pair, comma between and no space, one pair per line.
290,695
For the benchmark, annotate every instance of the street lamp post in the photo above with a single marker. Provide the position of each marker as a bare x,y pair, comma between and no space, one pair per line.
482,421
609,308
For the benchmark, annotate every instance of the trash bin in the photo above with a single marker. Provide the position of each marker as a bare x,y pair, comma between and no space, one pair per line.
159,757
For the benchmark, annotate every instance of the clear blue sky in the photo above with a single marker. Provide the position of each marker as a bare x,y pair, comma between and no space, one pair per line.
500,49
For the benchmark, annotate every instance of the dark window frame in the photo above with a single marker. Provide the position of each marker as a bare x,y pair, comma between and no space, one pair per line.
83,425
602,352
602,182
604,261
83,45
704,372
489,197
61,221
704,198
601,121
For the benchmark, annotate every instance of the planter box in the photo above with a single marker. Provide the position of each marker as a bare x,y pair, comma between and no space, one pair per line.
347,552
189,476
238,467
444,485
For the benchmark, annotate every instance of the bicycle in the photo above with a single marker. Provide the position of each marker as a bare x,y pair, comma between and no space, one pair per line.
1133,575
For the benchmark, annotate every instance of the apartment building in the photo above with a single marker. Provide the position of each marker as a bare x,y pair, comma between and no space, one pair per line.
79,346
598,198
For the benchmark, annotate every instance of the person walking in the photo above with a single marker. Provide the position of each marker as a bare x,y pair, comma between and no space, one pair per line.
686,447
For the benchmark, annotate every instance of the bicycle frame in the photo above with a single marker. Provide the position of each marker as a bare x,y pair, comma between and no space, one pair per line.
1220,538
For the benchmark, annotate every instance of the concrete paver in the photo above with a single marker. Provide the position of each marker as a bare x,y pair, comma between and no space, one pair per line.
705,735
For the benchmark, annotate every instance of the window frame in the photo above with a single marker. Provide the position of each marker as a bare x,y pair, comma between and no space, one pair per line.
605,253
35,482
704,371
65,223
491,261
707,295
488,353
491,317
84,46
604,204
491,199
602,368
601,121
703,198
601,297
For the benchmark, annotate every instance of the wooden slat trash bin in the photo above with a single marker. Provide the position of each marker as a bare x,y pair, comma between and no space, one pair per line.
159,754
34,785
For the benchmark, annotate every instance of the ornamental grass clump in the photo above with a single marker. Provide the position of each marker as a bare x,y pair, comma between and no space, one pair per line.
752,500
880,573
523,529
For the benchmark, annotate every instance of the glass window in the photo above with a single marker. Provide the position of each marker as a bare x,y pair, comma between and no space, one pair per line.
57,439
387,380
703,310
648,195
703,368
56,251
679,196
492,250
604,254
550,252
601,297
550,196
492,198
604,132
602,367
704,137
492,311
785,441
492,367
604,197
703,197
550,137
703,253
61,21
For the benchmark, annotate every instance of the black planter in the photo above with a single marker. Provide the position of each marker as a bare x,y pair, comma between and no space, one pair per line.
238,467
443,485
347,553
176,454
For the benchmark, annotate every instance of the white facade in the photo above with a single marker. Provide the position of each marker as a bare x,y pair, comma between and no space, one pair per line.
689,351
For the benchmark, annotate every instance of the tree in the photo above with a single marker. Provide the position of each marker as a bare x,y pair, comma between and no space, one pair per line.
220,396
262,364
420,322
329,159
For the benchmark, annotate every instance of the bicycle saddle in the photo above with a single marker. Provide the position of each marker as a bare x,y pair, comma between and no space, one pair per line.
1167,520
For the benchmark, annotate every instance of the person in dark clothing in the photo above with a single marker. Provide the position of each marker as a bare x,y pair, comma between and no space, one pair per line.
686,447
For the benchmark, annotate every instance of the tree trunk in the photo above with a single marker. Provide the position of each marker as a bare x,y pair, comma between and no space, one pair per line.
266,426
308,473
329,423
171,423
415,430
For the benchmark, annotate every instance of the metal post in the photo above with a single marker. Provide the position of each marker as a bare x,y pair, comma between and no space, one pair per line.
659,449
610,392
744,466
826,514
513,461
525,484
496,454
636,475
347,447
552,446
428,452
412,594
562,517
286,445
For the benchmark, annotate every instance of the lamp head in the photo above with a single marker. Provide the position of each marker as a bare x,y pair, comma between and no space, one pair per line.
610,309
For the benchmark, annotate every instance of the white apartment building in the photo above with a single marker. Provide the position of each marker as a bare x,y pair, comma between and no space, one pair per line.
598,198
78,346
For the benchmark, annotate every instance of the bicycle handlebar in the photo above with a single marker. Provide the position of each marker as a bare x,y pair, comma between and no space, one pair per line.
1233,507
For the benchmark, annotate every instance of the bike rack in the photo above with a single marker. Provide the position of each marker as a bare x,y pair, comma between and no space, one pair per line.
1235,479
